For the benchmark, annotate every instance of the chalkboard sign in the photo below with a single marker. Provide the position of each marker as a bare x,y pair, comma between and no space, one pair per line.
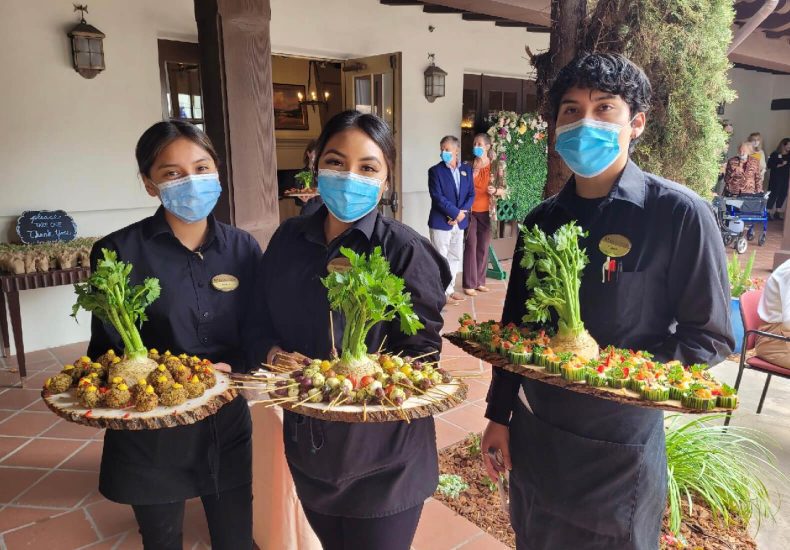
45,226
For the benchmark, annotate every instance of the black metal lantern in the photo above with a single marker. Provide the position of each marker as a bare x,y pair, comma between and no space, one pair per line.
87,49
434,80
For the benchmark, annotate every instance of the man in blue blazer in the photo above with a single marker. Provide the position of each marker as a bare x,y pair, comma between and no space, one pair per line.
452,191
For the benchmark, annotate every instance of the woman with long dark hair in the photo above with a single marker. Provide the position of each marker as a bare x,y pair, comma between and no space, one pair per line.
779,178
362,485
185,247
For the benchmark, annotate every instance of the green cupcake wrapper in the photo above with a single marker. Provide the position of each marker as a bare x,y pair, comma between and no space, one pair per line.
553,367
660,394
675,393
617,383
594,379
519,358
635,385
698,403
727,402
574,375
465,335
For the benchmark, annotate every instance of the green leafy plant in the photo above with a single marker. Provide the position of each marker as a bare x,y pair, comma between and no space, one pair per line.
740,278
473,445
555,264
367,293
682,47
519,141
109,295
451,485
723,468
305,177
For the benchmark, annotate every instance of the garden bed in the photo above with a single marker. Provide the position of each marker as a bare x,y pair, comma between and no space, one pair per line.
480,504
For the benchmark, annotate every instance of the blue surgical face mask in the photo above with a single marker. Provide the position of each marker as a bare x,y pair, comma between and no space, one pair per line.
478,151
588,146
192,197
348,196
447,157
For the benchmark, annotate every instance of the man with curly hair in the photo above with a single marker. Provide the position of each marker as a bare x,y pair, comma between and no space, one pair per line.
587,472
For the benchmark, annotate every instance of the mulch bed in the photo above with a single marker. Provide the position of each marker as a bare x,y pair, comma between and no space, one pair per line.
480,504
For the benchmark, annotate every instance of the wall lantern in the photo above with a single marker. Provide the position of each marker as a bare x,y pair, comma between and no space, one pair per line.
434,80
87,50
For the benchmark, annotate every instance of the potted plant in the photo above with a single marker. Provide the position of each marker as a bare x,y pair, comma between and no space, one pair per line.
740,282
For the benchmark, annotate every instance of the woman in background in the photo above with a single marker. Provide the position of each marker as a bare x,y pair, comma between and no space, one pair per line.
779,178
489,180
742,175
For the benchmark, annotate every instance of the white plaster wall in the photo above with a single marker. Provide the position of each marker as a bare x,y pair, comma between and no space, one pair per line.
751,111
343,29
67,142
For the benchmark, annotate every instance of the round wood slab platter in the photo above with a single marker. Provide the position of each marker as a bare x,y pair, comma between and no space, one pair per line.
441,398
194,410
533,372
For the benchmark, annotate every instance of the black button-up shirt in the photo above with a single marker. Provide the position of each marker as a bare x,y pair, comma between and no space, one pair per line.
671,298
192,317
343,469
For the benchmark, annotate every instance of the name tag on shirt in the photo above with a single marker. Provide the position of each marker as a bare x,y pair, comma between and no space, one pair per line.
225,282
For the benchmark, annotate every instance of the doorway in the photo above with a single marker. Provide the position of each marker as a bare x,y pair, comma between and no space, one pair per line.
368,84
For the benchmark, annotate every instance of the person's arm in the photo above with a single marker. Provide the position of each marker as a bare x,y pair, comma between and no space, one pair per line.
253,329
773,161
698,289
103,335
770,307
425,274
466,205
504,386
439,200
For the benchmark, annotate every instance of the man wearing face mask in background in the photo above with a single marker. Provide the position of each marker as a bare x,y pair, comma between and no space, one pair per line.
586,472
452,191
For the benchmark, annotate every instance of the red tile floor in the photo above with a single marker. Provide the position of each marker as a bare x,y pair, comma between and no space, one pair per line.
49,467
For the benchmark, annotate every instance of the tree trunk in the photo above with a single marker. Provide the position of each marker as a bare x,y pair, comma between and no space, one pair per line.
568,21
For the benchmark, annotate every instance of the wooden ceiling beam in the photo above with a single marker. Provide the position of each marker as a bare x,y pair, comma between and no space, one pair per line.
433,8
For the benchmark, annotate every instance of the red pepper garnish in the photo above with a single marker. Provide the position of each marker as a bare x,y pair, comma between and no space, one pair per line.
716,392
103,390
626,370
600,368
127,415
89,413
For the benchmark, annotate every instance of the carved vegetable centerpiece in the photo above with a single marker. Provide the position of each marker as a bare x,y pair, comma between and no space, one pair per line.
367,294
556,263
108,294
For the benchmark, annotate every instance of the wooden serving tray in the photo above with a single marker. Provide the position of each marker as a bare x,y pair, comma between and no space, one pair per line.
533,372
442,398
194,410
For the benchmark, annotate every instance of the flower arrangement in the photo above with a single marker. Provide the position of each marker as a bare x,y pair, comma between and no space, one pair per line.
520,141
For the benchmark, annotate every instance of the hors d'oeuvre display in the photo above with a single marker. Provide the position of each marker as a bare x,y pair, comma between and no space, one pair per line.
141,388
568,356
624,374
359,386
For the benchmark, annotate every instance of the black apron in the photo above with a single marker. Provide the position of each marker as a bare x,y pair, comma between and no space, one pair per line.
570,491
173,464
361,470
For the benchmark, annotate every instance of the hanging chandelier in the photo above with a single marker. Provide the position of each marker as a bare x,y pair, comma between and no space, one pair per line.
315,96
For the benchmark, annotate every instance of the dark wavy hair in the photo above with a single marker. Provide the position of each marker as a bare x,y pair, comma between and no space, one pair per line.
375,128
607,72
162,134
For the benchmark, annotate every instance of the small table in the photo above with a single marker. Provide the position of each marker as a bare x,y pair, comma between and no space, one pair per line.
11,285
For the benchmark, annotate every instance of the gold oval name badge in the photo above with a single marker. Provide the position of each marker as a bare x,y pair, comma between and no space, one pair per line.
614,245
225,282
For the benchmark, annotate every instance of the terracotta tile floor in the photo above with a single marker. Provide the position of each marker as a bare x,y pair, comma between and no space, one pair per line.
49,467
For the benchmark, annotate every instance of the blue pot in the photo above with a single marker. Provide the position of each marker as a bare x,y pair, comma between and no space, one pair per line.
736,322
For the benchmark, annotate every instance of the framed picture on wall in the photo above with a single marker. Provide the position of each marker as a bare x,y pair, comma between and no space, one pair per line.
289,114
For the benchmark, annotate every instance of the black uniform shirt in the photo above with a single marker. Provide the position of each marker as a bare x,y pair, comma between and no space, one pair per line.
192,317
671,298
342,469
